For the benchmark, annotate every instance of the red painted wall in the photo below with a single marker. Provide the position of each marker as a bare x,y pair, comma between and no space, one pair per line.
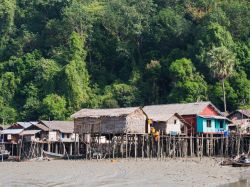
191,119
209,111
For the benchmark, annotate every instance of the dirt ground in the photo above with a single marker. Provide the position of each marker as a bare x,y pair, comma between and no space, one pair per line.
169,172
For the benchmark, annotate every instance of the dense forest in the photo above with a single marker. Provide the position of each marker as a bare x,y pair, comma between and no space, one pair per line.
57,56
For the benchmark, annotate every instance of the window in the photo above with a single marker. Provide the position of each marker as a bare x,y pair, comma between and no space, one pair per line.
62,135
68,135
209,125
175,121
221,124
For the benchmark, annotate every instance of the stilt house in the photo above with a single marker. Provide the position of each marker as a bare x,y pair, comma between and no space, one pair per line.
241,120
204,117
62,131
166,123
110,121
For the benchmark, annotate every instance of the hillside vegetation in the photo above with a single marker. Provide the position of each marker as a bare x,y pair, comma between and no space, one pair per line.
57,56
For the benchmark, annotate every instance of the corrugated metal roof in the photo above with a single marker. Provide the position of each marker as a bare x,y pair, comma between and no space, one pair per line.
34,122
96,113
62,126
181,109
11,131
29,132
214,117
24,124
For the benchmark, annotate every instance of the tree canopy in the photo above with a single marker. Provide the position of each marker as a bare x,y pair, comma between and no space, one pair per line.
59,56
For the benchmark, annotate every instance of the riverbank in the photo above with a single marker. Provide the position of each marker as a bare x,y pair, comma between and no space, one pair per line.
170,172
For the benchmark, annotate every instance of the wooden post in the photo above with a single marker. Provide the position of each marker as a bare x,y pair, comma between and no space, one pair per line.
49,147
122,141
162,144
113,142
221,145
56,148
158,146
191,145
142,146
166,153
130,146
174,146
135,140
197,146
70,148
126,145
109,146
148,151
169,145
207,145
202,144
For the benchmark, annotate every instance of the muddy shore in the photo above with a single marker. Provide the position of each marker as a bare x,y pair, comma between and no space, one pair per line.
170,172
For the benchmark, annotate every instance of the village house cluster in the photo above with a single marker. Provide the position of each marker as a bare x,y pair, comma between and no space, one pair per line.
174,119
102,125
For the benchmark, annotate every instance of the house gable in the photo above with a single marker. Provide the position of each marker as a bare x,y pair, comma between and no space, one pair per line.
236,115
209,111
15,126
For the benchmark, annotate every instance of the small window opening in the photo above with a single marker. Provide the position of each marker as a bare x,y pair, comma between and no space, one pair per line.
209,125
221,124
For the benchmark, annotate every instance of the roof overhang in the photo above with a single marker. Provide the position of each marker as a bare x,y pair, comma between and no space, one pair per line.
11,131
214,117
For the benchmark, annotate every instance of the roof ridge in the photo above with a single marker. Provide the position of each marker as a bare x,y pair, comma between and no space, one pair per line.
200,102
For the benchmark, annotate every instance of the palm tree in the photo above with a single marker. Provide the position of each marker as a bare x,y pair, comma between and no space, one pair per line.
221,62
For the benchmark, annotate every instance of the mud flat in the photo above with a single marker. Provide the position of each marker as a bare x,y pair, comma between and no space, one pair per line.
169,172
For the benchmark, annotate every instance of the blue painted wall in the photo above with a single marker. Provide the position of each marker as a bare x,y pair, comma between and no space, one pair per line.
215,125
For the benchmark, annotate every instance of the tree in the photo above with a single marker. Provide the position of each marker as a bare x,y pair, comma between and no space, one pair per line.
7,11
8,86
170,26
215,94
188,85
151,77
7,114
54,107
241,85
120,95
75,75
221,63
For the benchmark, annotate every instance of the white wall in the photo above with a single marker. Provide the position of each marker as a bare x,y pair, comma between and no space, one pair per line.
69,137
173,127
53,136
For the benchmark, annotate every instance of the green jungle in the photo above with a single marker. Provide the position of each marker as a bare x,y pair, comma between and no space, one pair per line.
58,56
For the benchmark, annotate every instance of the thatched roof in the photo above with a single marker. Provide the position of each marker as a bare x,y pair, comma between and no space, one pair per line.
96,113
181,109
62,126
